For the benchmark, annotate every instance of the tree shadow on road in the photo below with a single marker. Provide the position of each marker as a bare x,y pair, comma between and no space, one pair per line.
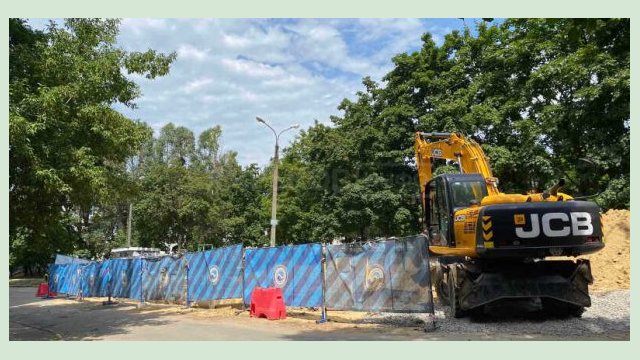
61,319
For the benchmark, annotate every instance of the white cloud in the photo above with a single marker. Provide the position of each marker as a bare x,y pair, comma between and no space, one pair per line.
140,25
376,29
286,71
324,44
195,85
252,68
235,41
188,51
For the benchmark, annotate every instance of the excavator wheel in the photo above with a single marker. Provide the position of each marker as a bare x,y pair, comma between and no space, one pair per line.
441,286
454,305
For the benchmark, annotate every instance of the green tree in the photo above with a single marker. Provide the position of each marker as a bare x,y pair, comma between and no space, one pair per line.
67,146
193,196
546,98
209,146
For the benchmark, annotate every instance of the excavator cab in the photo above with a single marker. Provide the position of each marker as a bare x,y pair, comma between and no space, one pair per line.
492,248
445,195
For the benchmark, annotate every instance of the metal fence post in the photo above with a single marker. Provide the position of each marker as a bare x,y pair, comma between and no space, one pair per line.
187,304
109,302
244,306
81,287
141,281
391,269
323,264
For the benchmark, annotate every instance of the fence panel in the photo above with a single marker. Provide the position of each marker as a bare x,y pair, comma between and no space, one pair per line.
307,275
176,284
411,278
135,278
215,274
61,278
90,279
70,280
295,269
267,267
388,275
164,278
103,285
54,277
151,271
120,275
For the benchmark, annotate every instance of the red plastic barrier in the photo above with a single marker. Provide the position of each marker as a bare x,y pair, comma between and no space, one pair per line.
268,303
43,290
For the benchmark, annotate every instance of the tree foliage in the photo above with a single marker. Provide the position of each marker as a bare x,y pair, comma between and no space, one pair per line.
67,146
192,195
546,98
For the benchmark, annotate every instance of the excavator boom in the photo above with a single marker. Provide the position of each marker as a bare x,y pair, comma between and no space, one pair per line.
452,146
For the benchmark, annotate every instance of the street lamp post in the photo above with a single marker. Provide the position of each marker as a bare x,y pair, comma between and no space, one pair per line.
129,225
130,219
274,189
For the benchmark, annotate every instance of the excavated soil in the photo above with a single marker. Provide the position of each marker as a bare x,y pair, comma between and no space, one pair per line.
610,266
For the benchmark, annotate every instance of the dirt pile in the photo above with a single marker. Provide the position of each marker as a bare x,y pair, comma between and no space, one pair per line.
610,266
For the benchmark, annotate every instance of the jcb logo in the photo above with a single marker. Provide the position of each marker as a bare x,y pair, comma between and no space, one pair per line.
576,223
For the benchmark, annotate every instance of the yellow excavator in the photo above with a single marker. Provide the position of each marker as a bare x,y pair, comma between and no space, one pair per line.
490,247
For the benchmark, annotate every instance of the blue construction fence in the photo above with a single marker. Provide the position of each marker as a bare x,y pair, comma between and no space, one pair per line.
295,269
390,275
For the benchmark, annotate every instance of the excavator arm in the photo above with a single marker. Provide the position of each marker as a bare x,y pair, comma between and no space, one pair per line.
471,160
452,146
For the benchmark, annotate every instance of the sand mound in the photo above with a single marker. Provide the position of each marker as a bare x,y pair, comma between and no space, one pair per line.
610,266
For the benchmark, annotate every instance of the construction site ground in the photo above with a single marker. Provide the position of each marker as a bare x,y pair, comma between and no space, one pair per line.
61,319
608,318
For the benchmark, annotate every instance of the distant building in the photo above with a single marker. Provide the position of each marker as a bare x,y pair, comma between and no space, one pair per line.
135,252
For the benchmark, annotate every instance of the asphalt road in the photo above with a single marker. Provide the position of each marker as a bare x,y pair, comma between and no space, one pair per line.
31,318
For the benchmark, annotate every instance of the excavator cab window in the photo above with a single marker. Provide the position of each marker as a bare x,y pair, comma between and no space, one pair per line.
464,192
438,214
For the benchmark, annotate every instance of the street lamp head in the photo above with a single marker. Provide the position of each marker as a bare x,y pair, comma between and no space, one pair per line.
296,126
259,119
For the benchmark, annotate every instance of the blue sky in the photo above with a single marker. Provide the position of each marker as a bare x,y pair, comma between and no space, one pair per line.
287,71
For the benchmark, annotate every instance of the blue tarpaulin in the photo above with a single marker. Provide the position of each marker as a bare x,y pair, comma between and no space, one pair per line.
388,275
104,284
54,277
215,274
90,273
164,278
66,278
295,269
126,278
